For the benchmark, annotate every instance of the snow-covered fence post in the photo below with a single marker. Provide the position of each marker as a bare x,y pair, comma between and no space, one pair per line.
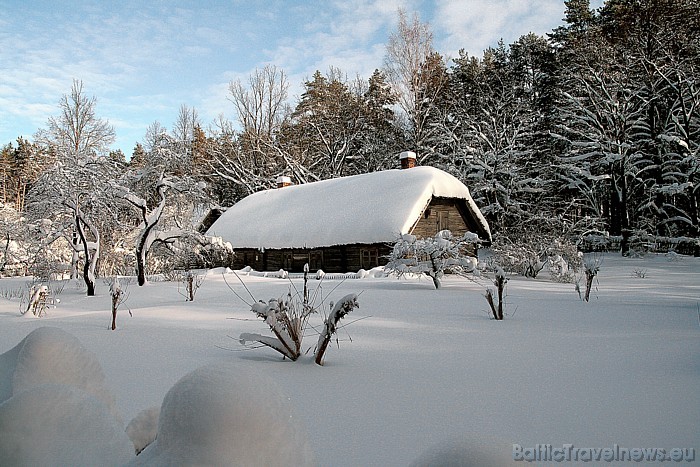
344,306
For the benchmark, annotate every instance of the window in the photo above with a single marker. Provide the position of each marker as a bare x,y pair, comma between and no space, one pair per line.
369,258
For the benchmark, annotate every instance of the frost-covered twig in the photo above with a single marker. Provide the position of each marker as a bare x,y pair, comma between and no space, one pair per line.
344,306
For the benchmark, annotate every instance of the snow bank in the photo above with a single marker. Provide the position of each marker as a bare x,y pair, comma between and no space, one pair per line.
55,424
54,406
224,415
143,428
51,355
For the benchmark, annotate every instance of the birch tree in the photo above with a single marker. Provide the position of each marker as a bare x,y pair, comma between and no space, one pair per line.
406,52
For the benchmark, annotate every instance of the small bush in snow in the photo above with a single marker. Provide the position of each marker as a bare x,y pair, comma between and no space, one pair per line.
191,281
499,281
37,298
639,273
591,266
433,256
529,258
118,293
288,320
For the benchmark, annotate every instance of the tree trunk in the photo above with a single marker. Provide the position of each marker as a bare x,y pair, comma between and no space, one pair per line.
114,314
88,280
75,257
589,283
140,266
500,283
87,276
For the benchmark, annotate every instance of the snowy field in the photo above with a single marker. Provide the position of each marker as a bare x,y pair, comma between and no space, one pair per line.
424,371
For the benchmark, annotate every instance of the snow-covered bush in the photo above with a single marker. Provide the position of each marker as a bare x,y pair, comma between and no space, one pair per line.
288,319
37,298
523,259
433,256
591,266
117,291
529,258
338,311
499,281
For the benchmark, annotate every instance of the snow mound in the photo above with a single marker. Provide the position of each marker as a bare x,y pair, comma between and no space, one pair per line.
55,424
51,355
143,428
463,453
223,415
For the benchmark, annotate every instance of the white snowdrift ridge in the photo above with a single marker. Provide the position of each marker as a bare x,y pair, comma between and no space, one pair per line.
54,406
223,415
368,208
56,410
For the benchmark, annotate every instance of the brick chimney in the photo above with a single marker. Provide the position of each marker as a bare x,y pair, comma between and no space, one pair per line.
283,181
408,159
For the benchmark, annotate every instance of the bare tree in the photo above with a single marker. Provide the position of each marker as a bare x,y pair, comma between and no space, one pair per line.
185,124
406,52
250,160
262,105
77,132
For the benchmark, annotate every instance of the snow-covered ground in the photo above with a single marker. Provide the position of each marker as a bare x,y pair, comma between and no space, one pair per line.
423,372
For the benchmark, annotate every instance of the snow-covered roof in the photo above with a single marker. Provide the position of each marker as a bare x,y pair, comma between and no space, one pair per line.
368,208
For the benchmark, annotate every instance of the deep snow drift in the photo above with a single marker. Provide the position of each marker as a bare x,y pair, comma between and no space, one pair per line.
425,376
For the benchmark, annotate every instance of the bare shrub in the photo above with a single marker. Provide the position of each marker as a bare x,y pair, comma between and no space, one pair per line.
117,291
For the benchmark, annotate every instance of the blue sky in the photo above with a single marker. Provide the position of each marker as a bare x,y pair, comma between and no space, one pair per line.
143,59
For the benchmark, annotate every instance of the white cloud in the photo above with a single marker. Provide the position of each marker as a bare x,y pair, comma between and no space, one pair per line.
475,25
142,61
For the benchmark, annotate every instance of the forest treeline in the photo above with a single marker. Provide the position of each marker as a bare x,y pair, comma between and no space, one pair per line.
593,127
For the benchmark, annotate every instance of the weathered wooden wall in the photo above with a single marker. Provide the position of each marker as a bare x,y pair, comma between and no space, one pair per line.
341,258
441,214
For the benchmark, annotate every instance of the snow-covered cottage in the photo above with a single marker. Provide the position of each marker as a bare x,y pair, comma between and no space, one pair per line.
346,224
